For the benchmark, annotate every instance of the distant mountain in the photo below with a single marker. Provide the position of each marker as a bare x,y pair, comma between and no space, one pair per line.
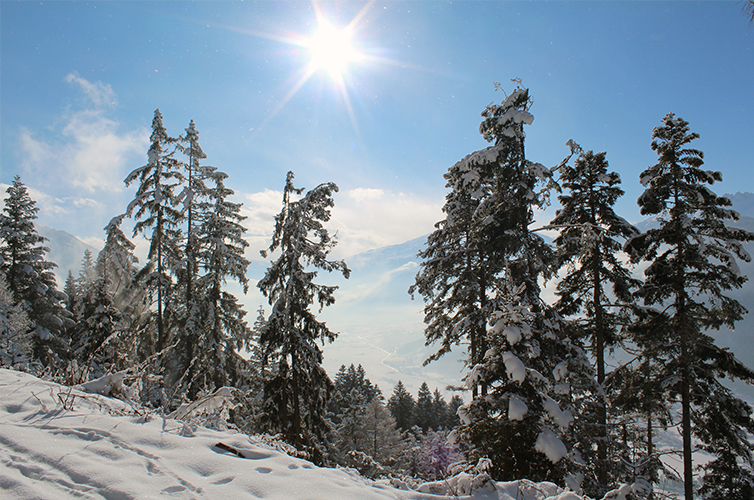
743,203
66,250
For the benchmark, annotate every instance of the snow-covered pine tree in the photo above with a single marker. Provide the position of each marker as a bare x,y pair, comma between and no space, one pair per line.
402,407
116,262
596,290
348,380
101,346
297,392
457,275
15,338
220,330
156,215
692,258
117,267
30,277
71,293
194,198
528,363
425,417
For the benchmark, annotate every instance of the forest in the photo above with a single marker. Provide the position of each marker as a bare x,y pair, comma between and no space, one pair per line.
578,391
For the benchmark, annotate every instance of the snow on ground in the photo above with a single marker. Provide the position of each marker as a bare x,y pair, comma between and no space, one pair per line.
58,443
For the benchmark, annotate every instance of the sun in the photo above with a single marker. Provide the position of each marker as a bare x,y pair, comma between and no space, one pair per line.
332,50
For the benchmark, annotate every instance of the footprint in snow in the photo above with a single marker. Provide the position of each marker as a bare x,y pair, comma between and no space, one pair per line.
174,489
224,480
264,470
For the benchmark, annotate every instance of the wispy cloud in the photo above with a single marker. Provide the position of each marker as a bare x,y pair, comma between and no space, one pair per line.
77,165
364,219
369,218
87,151
100,94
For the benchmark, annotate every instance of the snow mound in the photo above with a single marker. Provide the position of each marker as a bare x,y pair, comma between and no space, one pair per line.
60,442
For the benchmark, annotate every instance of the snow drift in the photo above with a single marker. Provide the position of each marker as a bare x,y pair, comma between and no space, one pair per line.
58,442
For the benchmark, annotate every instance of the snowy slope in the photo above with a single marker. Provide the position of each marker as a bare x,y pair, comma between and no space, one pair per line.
58,443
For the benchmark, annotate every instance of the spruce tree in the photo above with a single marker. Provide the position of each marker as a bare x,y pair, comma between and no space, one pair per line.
194,198
30,276
116,262
519,340
117,268
297,392
596,288
218,328
692,259
402,407
425,416
15,341
157,217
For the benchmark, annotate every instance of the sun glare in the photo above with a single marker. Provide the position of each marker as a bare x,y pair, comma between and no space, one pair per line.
332,50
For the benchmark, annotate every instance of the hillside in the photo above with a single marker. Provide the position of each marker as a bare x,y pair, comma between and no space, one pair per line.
60,443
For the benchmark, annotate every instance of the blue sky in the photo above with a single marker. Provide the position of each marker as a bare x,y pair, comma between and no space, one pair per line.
79,83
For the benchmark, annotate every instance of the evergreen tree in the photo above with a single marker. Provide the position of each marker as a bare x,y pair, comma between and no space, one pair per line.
348,380
440,412
457,272
116,266
156,215
116,262
71,293
296,395
596,288
402,407
15,341
217,326
30,277
692,258
425,416
194,196
98,344
519,336
454,404
382,439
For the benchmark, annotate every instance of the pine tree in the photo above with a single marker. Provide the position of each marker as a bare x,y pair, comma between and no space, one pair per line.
520,341
116,266
15,341
402,407
156,215
116,262
348,380
596,288
299,388
382,439
425,417
194,198
457,274
692,258
71,293
216,318
30,277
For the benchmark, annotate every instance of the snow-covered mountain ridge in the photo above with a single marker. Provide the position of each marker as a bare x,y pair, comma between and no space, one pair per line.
57,442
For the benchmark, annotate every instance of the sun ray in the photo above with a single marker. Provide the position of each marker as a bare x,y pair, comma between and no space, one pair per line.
333,51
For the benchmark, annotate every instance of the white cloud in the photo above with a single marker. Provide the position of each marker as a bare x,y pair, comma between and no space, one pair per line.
365,194
87,152
367,220
364,219
99,93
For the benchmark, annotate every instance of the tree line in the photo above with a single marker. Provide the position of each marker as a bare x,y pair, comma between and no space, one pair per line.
545,403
